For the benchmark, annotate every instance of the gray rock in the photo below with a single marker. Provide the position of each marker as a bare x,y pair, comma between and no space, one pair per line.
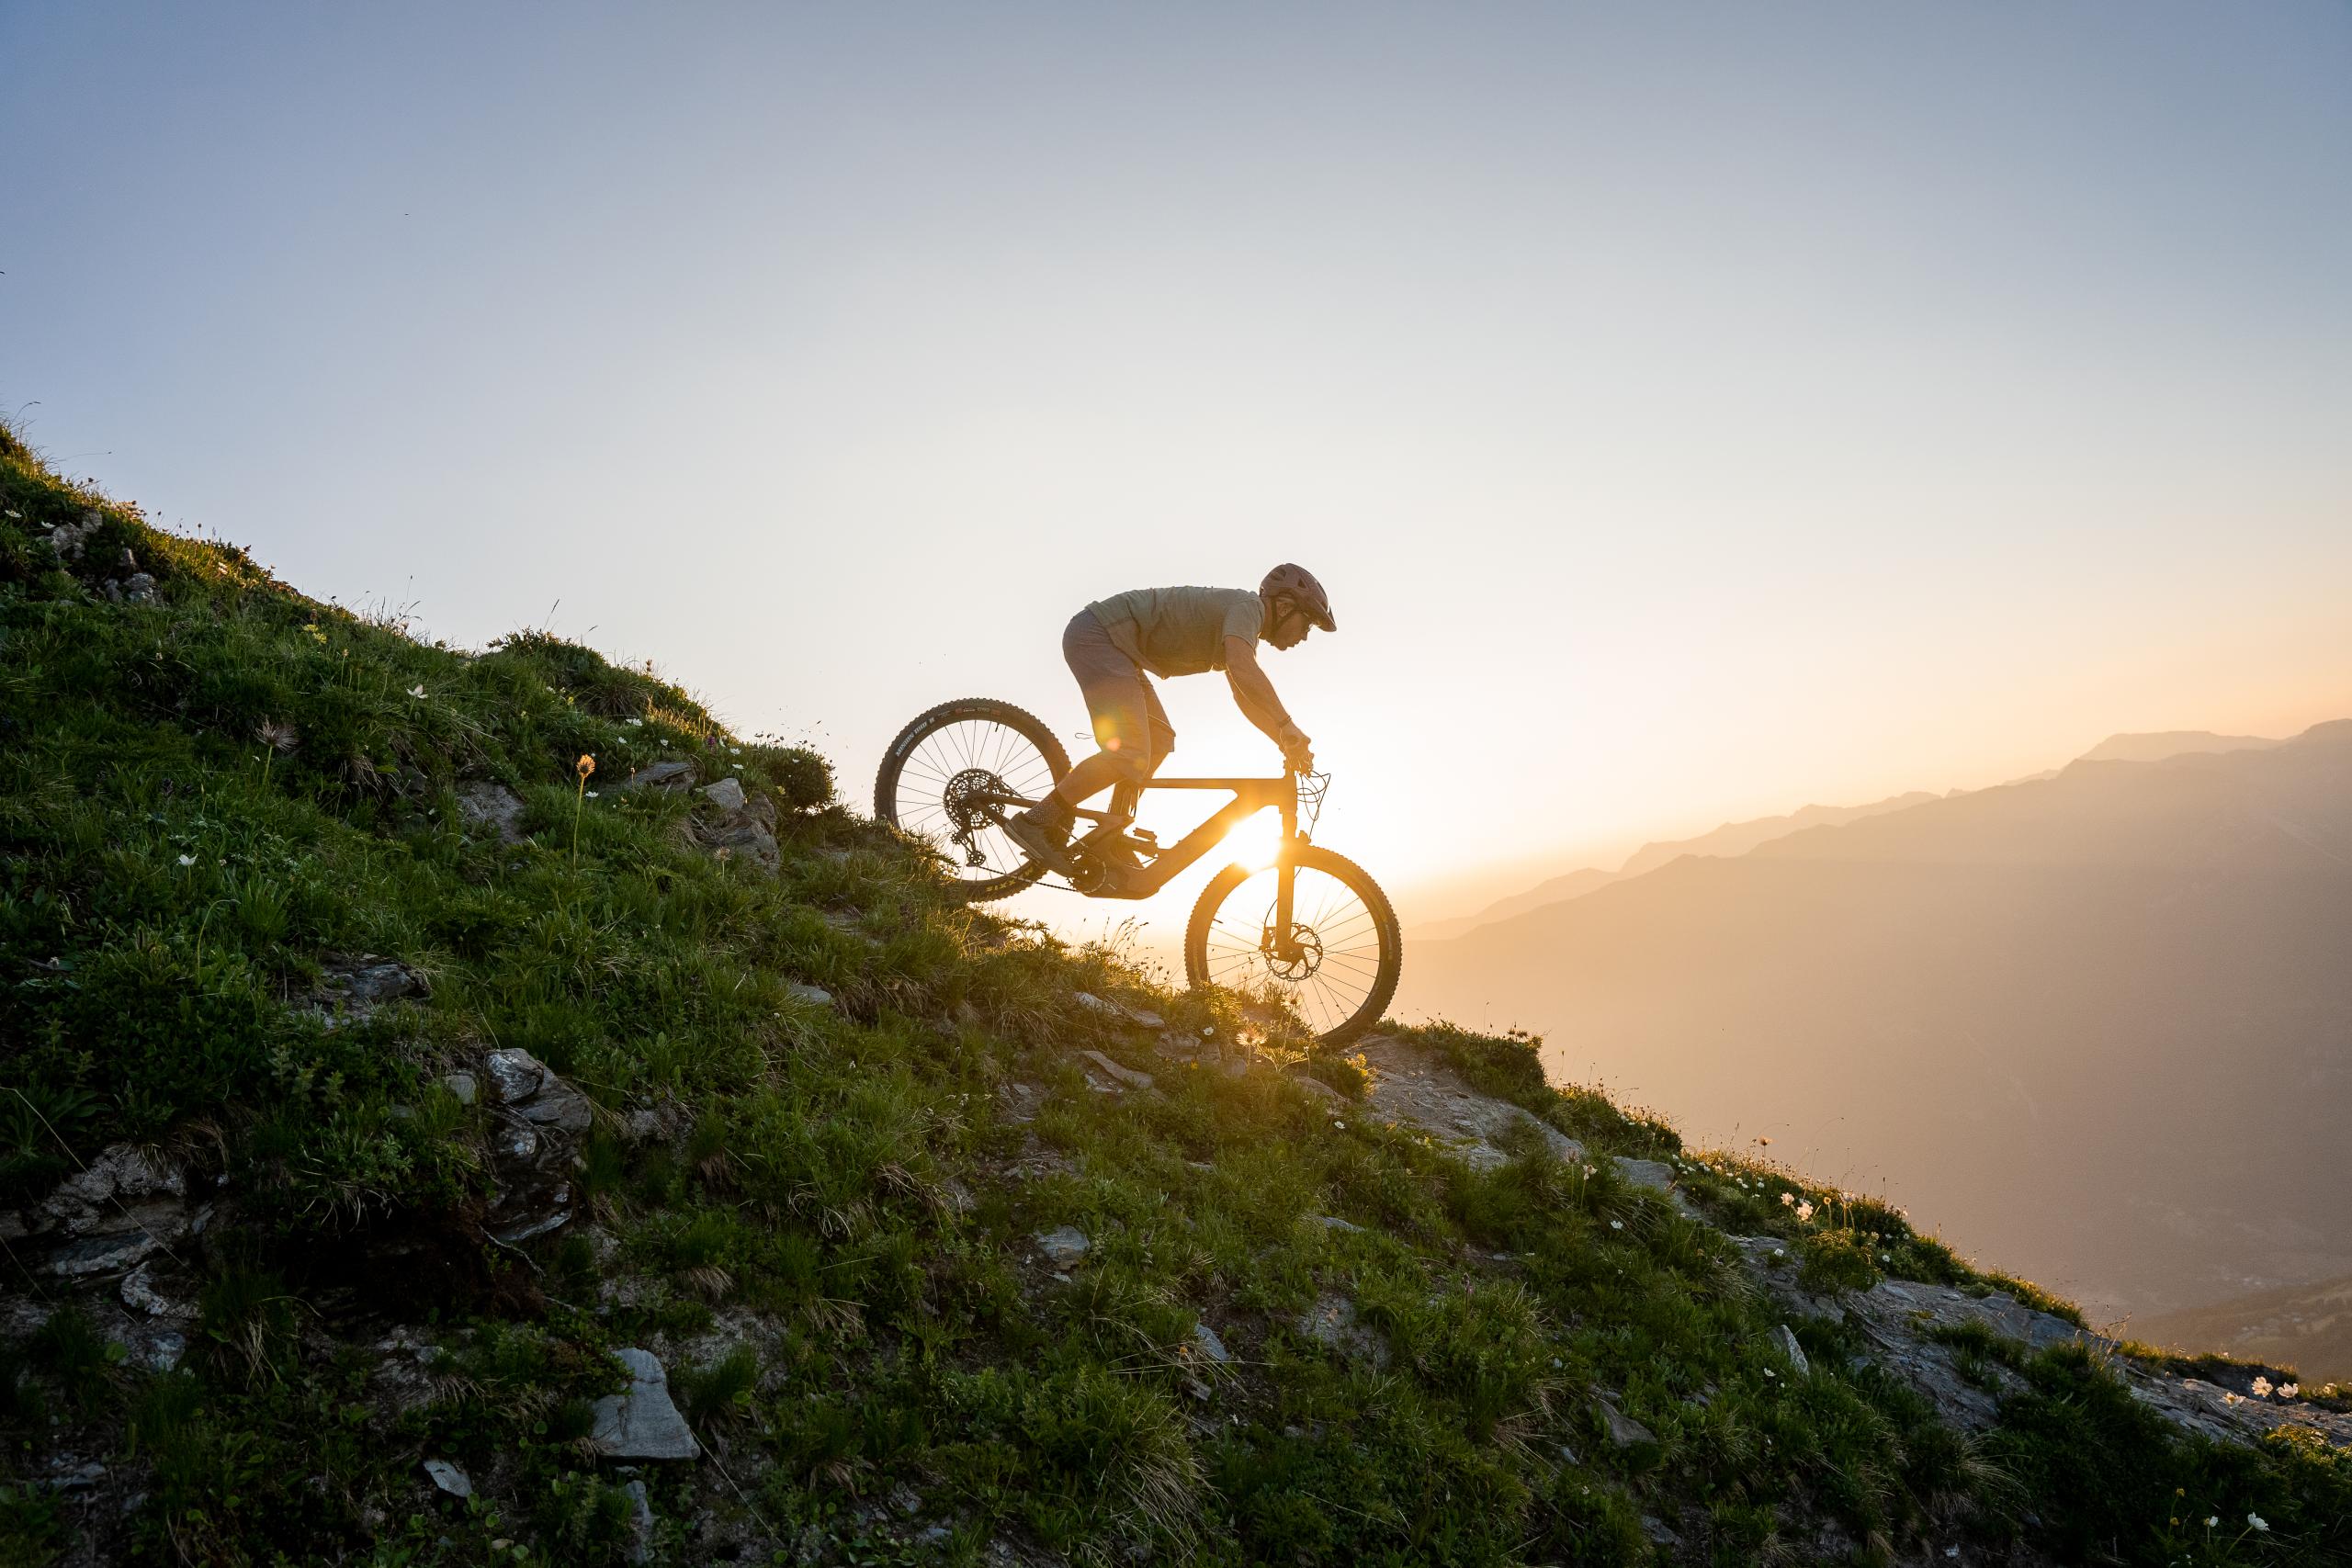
465,1086
95,1197
726,795
1331,1322
103,1253
140,1293
139,588
542,1119
1656,1529
1622,1429
1063,1246
1210,1346
1333,1222
642,1424
671,777
1413,1086
641,1125
1317,1089
816,996
1655,1174
641,1521
514,1075
485,806
1142,1017
1786,1338
1126,1076
367,981
80,1478
164,1351
450,1478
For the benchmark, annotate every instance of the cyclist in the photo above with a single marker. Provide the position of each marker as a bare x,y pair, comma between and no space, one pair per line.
1113,645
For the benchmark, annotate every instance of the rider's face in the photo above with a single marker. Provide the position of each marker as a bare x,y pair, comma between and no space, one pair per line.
1290,625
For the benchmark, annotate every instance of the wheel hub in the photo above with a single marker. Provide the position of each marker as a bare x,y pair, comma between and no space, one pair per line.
1298,959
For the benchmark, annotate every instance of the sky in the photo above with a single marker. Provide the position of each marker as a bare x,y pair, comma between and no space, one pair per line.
1694,411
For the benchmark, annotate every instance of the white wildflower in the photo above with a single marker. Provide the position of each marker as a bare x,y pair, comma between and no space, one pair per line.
1951,1551
2255,1521
1342,1126
1804,1210
417,690
592,794
2212,1520
634,723
2290,1390
2262,1388
1787,1198
187,860
1616,1225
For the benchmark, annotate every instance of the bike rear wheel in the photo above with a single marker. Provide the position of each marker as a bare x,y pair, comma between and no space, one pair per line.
944,779
1348,951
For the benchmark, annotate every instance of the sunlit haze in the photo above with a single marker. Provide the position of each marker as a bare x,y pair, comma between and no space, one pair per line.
1694,412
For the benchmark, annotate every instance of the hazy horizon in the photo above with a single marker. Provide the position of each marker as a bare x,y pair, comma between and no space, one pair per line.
1691,422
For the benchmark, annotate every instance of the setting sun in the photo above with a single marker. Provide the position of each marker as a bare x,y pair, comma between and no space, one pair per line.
1254,840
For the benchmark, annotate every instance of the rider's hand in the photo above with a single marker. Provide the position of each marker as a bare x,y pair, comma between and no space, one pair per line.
1298,750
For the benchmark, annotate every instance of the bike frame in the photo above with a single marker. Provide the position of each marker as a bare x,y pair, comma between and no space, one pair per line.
1249,797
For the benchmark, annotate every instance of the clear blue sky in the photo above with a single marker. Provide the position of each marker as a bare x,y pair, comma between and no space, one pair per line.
1695,410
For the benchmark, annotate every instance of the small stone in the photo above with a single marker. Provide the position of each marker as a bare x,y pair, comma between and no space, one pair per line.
1331,1322
1142,1017
1205,1340
139,1294
1787,1339
726,795
80,1479
1321,1090
1333,1222
450,1478
1063,1246
816,996
1623,1430
1660,1534
906,1500
163,1351
1127,1076
465,1086
641,1521
642,1423
670,776
641,1124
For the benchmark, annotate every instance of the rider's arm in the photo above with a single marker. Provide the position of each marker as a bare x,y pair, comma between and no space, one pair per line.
1254,695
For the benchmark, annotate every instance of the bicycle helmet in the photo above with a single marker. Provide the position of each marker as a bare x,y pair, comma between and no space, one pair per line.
1304,590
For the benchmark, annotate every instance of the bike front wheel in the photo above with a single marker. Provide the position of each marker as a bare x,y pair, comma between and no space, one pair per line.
948,776
1339,967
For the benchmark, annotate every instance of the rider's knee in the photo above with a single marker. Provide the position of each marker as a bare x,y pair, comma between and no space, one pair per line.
1133,766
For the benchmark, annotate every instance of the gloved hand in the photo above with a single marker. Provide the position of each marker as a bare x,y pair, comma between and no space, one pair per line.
1298,750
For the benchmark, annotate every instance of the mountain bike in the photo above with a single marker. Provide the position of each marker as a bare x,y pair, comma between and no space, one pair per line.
1312,929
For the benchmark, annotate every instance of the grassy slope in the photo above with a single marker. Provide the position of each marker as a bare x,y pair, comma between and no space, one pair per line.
202,797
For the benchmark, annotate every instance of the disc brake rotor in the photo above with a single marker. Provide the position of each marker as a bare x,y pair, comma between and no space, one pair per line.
1302,963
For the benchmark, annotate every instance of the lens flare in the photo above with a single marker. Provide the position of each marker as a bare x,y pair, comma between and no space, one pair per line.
1254,841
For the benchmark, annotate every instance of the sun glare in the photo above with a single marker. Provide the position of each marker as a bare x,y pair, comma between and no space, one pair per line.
1253,841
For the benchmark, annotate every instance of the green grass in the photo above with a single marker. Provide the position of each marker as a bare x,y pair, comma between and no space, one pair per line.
204,799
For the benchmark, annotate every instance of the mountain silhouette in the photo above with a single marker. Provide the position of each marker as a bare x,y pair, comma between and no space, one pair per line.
2095,1022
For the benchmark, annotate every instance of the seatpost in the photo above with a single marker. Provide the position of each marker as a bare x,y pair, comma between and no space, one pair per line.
1125,798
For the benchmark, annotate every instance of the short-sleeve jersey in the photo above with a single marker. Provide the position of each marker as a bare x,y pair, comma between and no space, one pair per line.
1179,631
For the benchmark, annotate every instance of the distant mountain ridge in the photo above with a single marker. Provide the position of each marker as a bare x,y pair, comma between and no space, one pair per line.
2096,1022
1739,838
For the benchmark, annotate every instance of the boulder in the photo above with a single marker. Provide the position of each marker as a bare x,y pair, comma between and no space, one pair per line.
643,1423
1655,1174
726,795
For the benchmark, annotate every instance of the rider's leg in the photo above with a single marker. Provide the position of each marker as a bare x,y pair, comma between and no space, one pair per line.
1122,703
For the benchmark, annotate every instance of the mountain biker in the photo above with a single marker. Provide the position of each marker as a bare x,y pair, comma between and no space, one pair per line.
1113,643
